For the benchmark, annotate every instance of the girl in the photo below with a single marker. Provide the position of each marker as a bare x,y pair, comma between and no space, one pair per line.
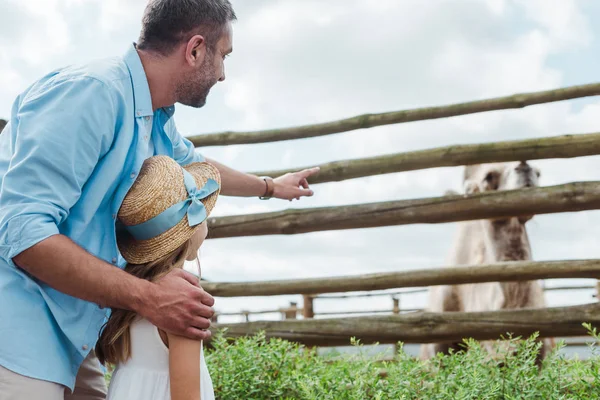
162,223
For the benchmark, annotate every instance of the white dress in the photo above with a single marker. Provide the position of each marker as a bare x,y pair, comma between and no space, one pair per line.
146,374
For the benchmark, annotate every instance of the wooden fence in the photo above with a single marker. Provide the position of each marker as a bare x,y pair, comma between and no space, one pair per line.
427,327
564,146
371,120
418,326
501,272
292,311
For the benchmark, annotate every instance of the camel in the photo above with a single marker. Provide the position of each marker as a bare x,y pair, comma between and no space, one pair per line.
485,242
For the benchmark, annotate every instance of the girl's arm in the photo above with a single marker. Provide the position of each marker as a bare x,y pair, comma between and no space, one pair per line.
184,367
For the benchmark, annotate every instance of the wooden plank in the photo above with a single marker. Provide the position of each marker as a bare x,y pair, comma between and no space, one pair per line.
498,272
395,117
567,146
379,294
570,197
415,291
424,327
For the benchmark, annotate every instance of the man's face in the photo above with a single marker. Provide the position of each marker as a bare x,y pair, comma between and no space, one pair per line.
196,84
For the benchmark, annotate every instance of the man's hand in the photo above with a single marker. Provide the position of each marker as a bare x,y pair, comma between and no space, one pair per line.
290,186
294,185
177,304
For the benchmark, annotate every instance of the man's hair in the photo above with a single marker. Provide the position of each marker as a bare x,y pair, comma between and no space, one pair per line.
166,23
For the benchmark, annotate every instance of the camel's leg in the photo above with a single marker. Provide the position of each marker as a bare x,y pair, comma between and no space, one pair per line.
441,299
537,300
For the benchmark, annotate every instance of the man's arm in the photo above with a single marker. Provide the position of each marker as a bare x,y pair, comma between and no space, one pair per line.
235,183
287,187
80,274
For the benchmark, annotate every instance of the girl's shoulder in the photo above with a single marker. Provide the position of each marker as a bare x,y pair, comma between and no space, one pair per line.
143,332
146,325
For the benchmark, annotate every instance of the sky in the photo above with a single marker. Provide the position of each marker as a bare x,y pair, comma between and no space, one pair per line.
298,62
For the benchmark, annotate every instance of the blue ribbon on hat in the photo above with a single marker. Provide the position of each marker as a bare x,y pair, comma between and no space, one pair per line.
192,206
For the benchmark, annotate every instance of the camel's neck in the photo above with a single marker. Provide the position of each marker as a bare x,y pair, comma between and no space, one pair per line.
507,241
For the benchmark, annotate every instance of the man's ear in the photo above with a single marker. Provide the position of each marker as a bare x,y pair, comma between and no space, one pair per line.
195,50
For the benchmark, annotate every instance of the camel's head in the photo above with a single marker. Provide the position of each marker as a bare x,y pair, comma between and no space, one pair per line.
500,176
506,235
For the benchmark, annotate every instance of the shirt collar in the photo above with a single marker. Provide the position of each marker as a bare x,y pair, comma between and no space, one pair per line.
141,89
169,110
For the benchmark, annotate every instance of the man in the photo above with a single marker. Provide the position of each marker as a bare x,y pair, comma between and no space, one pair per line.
72,148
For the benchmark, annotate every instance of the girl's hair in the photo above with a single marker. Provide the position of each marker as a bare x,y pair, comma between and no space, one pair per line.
114,343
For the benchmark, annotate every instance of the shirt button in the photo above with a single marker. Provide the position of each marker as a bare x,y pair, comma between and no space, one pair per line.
114,260
132,175
145,137
147,118
84,347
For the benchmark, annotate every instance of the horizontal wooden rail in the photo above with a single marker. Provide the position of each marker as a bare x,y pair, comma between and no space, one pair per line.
348,312
371,120
425,327
257,312
359,295
499,272
541,200
567,146
559,288
415,291
299,310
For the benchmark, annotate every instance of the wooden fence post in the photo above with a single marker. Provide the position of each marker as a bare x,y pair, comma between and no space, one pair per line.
308,312
291,312
307,309
396,310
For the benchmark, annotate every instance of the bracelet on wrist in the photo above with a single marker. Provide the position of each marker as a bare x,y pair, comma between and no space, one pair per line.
269,188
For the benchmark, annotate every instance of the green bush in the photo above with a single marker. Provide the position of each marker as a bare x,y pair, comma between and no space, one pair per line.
257,368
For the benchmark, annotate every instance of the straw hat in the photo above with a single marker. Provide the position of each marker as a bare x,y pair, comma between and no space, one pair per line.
160,186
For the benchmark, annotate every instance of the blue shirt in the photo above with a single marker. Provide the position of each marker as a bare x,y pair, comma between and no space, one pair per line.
74,144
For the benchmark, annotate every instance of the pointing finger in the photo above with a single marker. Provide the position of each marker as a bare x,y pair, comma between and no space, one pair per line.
309,172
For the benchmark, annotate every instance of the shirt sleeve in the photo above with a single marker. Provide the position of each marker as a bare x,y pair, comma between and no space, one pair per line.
63,129
184,151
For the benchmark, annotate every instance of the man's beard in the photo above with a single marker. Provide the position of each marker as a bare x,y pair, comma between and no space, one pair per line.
194,89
